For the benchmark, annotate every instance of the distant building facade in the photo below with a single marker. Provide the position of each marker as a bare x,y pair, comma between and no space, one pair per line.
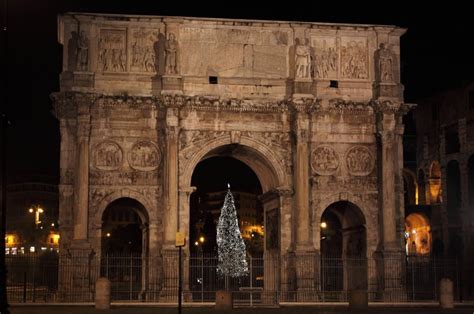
315,110
445,167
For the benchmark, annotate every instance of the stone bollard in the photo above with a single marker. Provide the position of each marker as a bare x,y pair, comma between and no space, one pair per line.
358,299
446,293
223,300
102,294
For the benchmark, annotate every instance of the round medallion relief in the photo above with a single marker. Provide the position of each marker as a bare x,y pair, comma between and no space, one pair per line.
107,156
144,156
324,160
359,161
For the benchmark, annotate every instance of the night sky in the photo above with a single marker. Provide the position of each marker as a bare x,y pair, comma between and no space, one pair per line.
436,54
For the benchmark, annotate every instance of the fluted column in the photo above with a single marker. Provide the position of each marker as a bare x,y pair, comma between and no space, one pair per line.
301,183
386,134
81,190
171,213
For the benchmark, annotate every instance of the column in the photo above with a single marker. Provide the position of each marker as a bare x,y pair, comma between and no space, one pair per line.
183,226
305,257
169,289
81,191
171,187
399,186
386,134
301,183
392,257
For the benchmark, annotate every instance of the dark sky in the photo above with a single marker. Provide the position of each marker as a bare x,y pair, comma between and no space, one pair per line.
435,52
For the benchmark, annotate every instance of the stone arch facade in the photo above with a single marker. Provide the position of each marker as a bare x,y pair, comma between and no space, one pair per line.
141,133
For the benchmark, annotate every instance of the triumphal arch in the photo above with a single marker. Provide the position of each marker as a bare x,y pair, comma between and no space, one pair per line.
314,109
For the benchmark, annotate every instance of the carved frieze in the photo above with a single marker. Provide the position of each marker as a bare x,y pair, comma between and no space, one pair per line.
359,161
107,156
324,160
98,177
143,46
349,183
200,103
325,57
112,55
188,139
98,194
278,142
354,58
144,156
351,107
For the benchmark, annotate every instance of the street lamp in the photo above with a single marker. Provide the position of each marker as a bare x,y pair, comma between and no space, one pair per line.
37,210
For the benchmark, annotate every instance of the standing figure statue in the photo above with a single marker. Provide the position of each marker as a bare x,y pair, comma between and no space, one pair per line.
385,64
302,60
82,54
171,49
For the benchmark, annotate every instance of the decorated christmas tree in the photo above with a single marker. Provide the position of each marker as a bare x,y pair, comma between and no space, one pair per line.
230,245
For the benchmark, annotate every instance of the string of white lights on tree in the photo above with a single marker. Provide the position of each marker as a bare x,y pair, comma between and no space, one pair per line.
230,245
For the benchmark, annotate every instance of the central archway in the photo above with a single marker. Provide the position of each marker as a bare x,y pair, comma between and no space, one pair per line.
250,174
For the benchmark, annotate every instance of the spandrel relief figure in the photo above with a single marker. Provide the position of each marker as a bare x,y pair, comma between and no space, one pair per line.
171,49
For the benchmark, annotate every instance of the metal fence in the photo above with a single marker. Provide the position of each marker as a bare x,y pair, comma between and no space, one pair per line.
54,278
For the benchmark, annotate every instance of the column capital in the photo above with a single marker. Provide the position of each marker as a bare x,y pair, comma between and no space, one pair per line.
172,132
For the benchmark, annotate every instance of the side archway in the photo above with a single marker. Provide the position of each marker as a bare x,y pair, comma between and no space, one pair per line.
343,247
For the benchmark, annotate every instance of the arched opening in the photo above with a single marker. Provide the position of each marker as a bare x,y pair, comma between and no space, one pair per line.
470,173
251,174
210,178
409,187
343,248
417,234
124,241
421,196
435,183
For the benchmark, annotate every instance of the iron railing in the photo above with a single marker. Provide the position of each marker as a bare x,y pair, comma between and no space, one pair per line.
52,277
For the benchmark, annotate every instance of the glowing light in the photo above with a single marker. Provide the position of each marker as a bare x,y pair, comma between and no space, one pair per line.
108,235
30,210
201,239
196,243
324,224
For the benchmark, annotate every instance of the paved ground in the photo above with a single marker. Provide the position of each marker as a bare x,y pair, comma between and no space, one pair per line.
286,310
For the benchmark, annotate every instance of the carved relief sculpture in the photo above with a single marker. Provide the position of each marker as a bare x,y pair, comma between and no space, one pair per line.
144,156
302,60
112,51
326,58
171,49
324,160
354,61
143,51
359,161
384,62
107,156
82,52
